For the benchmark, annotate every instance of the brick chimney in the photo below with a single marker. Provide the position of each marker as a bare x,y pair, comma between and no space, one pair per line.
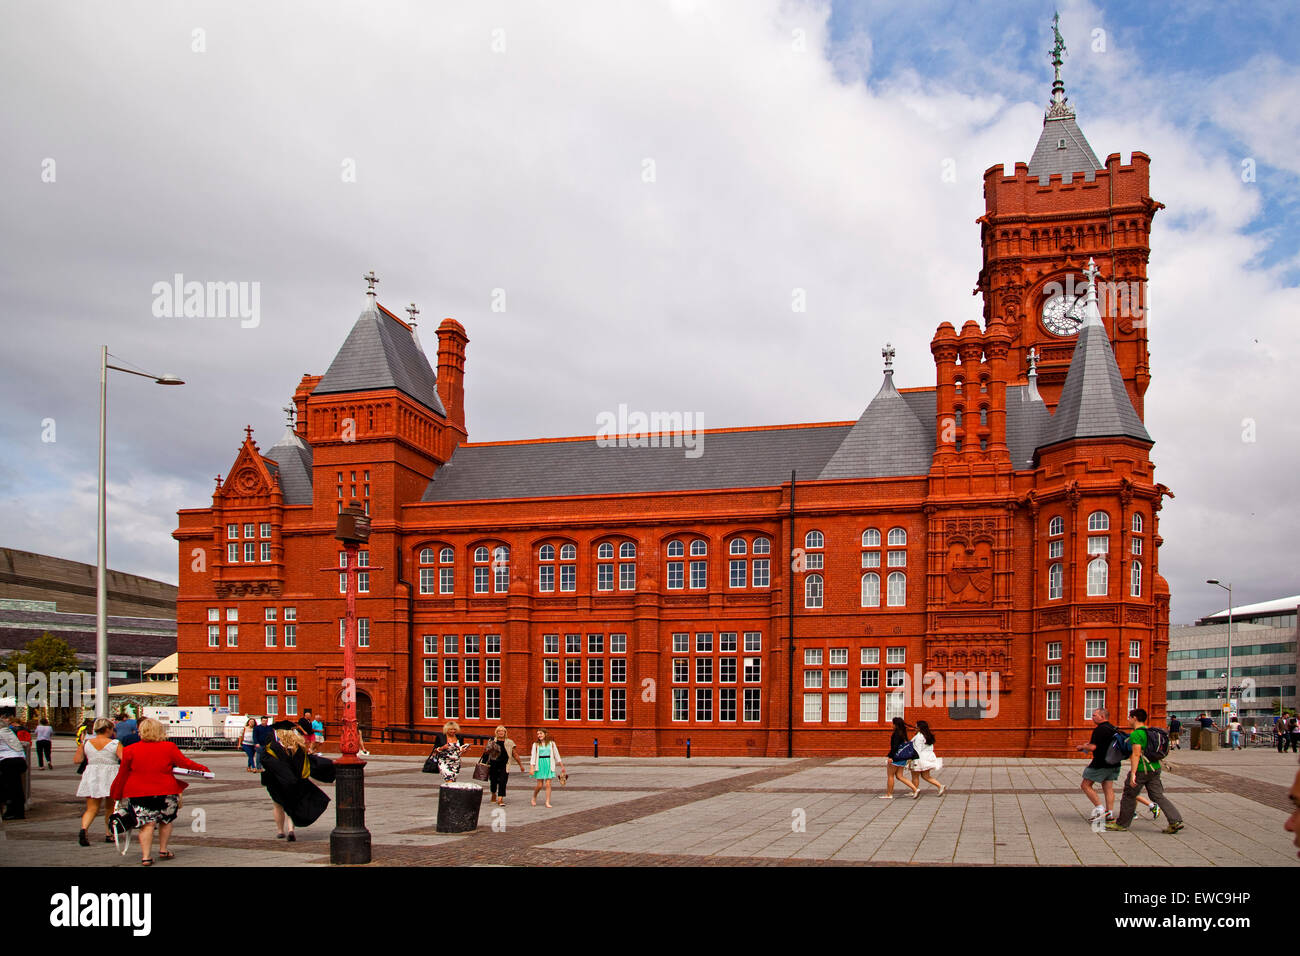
451,370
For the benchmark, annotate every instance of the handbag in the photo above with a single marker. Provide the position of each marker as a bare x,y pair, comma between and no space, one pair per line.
431,764
905,751
481,770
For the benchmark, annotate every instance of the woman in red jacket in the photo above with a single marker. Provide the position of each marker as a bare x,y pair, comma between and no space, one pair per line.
145,780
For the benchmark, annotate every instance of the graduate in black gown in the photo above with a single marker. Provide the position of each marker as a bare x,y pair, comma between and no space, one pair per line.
287,772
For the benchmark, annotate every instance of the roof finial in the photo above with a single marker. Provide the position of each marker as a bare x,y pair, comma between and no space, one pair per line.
1058,86
888,353
1091,273
292,412
370,282
1033,376
248,432
412,311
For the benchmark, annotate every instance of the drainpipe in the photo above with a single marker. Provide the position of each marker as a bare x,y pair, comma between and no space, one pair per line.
789,695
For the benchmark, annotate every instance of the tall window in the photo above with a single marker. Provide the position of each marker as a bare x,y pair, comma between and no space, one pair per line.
897,595
812,591
1098,521
871,589
626,572
546,568
481,570
676,568
446,571
814,559
1055,582
1056,526
501,569
605,567
1135,579
568,567
1053,705
427,574
1097,577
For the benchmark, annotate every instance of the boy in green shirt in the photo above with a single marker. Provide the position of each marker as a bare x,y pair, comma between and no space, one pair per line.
1142,774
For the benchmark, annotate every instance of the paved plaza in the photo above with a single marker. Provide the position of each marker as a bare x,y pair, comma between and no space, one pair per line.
716,811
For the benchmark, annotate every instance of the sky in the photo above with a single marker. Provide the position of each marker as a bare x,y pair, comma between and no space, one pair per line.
619,202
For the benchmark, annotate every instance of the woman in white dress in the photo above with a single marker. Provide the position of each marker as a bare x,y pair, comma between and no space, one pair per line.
927,761
102,755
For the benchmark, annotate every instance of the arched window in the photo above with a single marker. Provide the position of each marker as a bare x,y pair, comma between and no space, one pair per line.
814,539
501,567
871,538
446,556
1055,583
676,575
426,556
605,552
699,548
480,555
897,589
1097,577
762,546
812,591
984,414
627,569
871,589
546,568
626,551
738,546
605,571
1056,526
1099,521
482,572
897,537
568,552
676,549
1135,579
546,553
1137,524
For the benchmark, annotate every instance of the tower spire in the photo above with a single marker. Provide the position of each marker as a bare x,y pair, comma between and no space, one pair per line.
1058,85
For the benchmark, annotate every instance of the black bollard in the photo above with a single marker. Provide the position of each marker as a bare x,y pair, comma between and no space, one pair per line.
458,806
688,748
595,746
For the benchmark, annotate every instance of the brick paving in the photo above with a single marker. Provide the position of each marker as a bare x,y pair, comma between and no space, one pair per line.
719,812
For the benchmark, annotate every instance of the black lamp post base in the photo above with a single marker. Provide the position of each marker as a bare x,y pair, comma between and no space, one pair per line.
349,840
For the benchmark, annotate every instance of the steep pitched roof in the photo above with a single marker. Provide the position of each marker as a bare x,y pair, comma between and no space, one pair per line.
887,441
293,456
1050,158
1094,402
381,352
748,458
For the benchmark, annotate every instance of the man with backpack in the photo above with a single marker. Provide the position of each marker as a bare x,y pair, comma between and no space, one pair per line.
1149,746
1176,733
1103,769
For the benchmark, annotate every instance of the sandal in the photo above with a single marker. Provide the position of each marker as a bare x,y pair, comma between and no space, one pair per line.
108,838
166,855
146,862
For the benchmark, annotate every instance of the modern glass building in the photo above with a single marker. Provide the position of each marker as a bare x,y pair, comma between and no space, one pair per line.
1264,659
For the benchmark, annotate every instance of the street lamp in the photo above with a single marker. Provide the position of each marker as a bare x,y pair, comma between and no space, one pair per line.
350,840
1227,696
101,574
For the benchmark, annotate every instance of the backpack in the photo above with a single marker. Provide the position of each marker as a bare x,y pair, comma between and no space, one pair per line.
1157,748
1120,749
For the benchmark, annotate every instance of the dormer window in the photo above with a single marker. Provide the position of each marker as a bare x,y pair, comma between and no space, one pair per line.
1060,143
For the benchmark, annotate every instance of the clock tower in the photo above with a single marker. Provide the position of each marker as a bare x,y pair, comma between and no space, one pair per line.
1040,227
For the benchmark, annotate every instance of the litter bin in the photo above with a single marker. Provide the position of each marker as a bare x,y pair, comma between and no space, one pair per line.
1196,736
458,806
1210,740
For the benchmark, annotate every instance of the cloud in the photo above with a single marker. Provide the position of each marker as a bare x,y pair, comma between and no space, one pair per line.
650,186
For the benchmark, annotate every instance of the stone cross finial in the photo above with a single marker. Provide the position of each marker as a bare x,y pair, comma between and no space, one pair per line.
370,282
888,353
248,432
412,311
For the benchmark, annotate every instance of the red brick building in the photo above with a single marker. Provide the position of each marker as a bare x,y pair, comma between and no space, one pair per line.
786,587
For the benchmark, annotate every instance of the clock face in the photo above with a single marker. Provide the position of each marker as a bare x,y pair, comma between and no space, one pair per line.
1062,314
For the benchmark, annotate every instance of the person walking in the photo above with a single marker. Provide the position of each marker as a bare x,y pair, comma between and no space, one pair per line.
263,734
146,782
248,744
13,764
1176,733
1099,771
103,755
449,753
498,754
900,752
926,761
286,770
45,745
545,758
1293,725
1234,732
1144,773
317,734
1280,732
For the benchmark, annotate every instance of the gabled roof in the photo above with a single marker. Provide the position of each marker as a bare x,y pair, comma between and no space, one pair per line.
381,352
1094,402
293,457
1050,159
741,458
887,441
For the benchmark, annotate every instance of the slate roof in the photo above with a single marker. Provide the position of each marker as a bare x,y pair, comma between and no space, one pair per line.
1094,402
1077,157
293,457
886,442
1028,422
382,352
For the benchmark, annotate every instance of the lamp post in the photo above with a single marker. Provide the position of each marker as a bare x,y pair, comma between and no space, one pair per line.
350,840
101,573
1227,697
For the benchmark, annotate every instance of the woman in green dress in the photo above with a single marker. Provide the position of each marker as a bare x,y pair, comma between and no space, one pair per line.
544,763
